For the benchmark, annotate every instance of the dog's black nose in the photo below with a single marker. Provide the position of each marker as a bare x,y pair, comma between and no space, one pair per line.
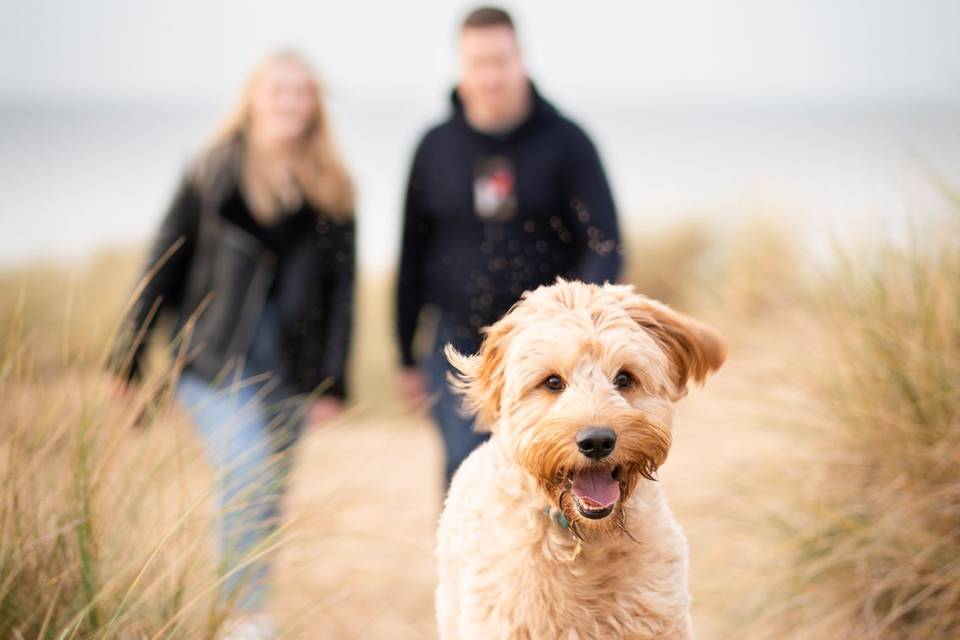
596,442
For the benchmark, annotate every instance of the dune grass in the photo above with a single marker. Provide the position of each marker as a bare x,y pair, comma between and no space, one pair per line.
105,510
107,514
873,540
105,526
749,268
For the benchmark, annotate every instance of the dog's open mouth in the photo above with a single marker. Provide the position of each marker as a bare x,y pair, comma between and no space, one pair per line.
596,491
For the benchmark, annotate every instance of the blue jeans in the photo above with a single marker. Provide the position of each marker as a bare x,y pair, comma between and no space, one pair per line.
247,425
457,430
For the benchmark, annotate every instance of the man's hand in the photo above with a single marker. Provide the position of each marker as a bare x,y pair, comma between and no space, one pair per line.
412,384
323,409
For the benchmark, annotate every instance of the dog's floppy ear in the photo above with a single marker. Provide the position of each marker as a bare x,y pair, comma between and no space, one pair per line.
694,348
479,377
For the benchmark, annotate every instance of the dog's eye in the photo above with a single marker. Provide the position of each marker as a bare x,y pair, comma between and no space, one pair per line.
553,383
623,380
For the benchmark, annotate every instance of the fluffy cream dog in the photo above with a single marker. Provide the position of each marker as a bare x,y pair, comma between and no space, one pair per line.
556,527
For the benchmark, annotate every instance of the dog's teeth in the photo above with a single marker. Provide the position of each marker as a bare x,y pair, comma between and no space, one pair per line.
588,508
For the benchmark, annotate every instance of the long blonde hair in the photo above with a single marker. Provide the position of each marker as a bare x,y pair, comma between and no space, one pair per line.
326,185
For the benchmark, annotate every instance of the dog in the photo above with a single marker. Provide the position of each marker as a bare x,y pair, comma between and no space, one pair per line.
556,527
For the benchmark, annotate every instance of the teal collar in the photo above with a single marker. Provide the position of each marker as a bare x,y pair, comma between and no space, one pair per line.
557,516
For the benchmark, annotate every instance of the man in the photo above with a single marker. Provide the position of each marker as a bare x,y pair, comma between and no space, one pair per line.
505,195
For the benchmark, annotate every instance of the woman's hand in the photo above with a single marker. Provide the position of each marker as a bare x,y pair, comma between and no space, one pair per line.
322,410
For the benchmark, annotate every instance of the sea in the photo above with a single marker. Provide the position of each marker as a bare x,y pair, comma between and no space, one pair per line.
81,177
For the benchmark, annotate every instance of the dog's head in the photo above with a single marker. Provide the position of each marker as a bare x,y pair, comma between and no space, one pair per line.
579,382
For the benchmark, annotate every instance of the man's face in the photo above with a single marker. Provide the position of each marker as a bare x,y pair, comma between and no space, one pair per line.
493,81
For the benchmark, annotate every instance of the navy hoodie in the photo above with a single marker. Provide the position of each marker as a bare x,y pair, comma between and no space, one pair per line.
489,216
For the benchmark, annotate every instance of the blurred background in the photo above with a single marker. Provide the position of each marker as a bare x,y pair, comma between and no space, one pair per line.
787,171
827,111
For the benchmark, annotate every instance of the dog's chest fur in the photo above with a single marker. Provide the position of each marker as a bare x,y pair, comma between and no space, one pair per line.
507,570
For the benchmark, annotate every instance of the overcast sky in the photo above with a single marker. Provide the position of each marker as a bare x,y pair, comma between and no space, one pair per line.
663,51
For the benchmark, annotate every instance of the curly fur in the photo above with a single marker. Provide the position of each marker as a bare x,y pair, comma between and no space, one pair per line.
507,570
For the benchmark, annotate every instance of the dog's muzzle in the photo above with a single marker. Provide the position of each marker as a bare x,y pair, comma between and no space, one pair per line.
596,489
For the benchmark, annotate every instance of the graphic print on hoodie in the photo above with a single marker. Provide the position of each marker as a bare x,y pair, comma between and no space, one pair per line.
494,189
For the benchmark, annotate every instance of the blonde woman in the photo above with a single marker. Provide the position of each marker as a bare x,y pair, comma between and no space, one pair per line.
255,257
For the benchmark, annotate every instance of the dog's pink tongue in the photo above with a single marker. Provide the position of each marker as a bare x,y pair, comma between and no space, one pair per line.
597,485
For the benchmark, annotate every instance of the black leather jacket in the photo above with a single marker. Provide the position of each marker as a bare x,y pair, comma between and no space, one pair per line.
215,277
